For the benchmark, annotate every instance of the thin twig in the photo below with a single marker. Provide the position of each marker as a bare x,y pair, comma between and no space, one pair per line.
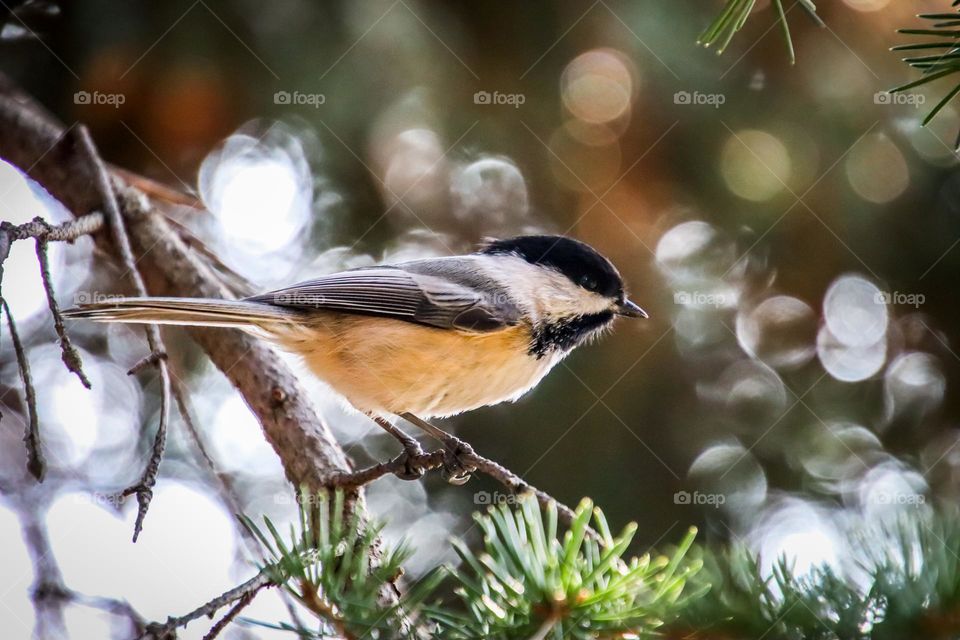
149,360
144,488
39,228
248,589
434,460
323,609
48,593
222,623
227,490
68,353
36,464
43,232
515,483
112,606
399,465
226,487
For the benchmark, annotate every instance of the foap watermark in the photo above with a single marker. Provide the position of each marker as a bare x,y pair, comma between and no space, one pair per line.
496,497
300,498
112,500
897,498
914,300
714,500
299,299
496,98
885,97
98,98
698,98
700,299
95,297
295,98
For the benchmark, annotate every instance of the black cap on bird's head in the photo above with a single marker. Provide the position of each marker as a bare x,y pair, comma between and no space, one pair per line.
579,262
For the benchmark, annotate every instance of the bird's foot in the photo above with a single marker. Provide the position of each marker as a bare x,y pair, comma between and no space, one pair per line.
457,468
409,467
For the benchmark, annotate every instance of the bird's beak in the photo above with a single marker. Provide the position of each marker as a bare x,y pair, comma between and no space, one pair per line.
630,310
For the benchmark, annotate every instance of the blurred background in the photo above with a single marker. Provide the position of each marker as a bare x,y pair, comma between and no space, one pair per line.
791,230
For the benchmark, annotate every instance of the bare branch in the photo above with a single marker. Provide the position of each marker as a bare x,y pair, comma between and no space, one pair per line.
40,229
246,590
43,232
149,360
222,623
36,464
518,485
68,353
401,464
428,461
48,592
144,488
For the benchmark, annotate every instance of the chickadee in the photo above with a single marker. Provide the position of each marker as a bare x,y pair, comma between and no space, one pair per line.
425,338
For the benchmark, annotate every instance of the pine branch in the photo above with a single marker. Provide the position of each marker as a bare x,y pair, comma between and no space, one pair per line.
334,568
531,582
734,15
911,589
936,66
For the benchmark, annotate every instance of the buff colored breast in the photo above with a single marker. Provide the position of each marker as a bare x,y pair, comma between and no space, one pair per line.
390,366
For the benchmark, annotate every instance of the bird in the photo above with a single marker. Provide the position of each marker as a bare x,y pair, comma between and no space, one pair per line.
427,338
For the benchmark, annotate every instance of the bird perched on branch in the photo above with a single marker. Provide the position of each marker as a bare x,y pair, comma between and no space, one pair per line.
425,338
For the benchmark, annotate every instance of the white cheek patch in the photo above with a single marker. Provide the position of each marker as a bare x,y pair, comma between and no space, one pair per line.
544,293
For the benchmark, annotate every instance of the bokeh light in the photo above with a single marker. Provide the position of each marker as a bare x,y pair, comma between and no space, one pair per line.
914,383
597,86
490,193
855,312
260,189
193,552
694,251
749,391
730,470
837,456
867,5
800,533
877,169
755,164
21,200
781,331
849,363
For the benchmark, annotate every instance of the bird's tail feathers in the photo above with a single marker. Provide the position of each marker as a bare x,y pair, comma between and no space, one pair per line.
202,312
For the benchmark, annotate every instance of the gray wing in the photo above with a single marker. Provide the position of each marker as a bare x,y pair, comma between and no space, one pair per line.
442,292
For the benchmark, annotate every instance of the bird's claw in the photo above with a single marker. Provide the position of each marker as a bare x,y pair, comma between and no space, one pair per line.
409,470
455,470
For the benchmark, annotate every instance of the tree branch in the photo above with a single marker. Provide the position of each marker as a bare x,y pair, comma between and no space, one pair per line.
68,353
144,488
36,464
43,233
239,593
40,229
434,460
32,140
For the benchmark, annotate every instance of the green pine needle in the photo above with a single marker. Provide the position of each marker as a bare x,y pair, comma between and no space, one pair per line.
735,13
935,67
332,568
910,588
530,582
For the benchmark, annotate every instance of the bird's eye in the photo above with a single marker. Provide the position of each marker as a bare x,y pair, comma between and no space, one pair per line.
588,282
